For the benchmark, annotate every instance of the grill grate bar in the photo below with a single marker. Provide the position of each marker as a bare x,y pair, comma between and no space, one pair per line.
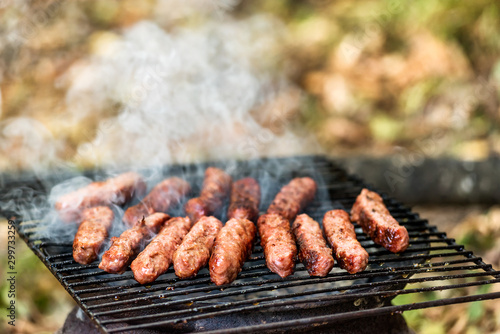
280,302
386,252
58,256
332,318
291,302
120,278
369,243
260,257
360,236
78,276
244,275
283,285
371,261
420,257
307,280
364,243
420,237
414,228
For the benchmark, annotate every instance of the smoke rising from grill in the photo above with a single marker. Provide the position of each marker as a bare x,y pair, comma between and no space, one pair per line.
211,92
214,91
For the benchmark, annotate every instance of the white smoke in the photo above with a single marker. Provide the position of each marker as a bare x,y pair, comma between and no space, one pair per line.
207,92
213,91
185,9
28,144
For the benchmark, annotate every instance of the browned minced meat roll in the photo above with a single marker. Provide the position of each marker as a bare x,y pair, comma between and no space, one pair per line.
118,190
155,259
278,243
293,197
92,233
372,215
216,187
313,251
233,246
124,248
245,200
340,233
165,194
196,247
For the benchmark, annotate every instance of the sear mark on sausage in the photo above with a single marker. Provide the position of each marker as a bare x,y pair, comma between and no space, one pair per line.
233,245
196,247
118,191
164,195
293,197
124,248
245,200
313,251
92,233
372,215
156,258
278,243
340,233
215,189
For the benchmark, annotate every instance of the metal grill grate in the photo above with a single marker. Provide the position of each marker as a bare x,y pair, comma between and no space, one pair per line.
259,300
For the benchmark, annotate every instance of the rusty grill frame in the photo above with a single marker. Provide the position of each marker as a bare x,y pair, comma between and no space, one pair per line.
259,300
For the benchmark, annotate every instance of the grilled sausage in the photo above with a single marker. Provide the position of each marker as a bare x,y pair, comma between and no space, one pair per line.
293,198
216,187
92,233
364,198
372,215
155,259
313,251
245,200
123,249
340,233
118,190
194,252
278,243
165,194
233,246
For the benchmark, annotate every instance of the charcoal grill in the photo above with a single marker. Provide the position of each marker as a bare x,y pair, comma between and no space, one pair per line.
259,301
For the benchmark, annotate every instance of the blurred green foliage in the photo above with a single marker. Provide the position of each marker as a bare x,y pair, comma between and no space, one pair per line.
39,297
460,37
